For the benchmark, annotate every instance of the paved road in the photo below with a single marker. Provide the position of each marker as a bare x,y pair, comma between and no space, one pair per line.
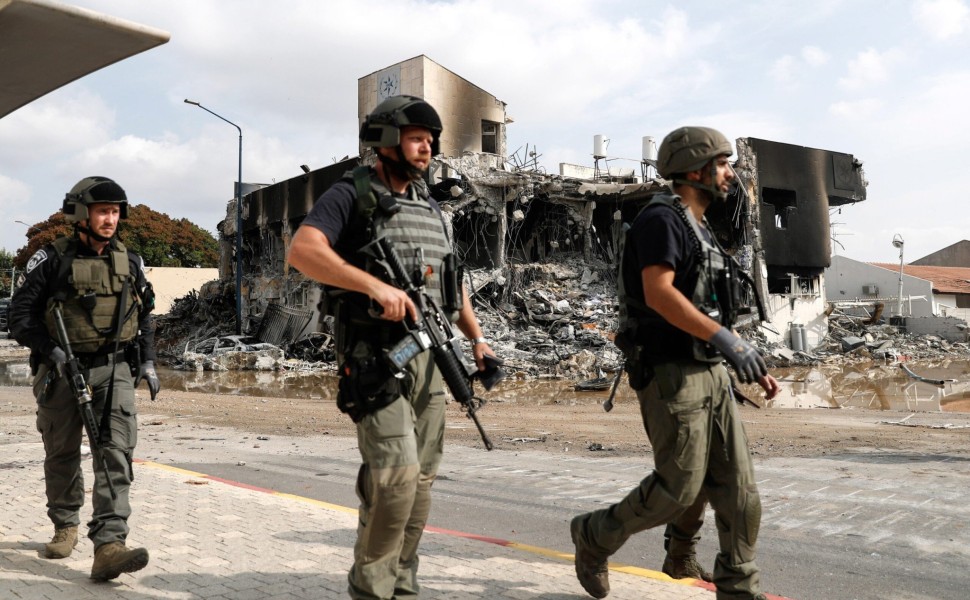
862,524
214,539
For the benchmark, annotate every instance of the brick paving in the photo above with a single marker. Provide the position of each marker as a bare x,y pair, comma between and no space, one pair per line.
213,539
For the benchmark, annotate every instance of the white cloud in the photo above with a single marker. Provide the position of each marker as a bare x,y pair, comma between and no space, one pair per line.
783,70
942,19
869,68
568,69
857,109
814,56
56,124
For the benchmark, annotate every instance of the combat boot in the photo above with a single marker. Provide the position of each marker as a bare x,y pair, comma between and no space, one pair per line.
113,559
686,566
62,544
593,573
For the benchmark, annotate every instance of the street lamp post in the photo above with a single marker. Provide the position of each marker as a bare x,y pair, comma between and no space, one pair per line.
238,219
29,227
898,243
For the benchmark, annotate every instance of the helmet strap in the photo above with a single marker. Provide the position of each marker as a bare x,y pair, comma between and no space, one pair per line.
96,236
400,168
711,189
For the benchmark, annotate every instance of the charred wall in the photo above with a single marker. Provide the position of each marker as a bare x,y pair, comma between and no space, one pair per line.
270,217
795,186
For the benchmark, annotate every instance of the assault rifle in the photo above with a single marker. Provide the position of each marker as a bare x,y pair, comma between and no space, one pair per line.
432,330
82,393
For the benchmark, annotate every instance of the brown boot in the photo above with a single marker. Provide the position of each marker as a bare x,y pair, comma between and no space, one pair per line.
113,559
686,566
593,573
62,544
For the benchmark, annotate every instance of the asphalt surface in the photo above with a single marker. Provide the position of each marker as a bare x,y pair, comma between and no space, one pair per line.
862,524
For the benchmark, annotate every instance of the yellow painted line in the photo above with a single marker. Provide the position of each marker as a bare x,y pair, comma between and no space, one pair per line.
537,550
319,503
155,465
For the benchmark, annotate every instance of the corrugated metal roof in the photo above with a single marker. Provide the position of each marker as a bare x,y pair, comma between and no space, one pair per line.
945,280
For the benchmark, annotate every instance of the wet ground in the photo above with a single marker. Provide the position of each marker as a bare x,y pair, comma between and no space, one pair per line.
874,386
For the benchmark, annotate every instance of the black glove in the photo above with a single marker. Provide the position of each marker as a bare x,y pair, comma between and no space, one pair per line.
57,358
744,357
147,372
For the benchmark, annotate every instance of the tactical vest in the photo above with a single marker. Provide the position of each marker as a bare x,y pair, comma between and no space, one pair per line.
416,230
636,319
90,302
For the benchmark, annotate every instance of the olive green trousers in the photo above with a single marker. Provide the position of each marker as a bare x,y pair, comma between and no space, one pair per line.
401,446
699,447
59,423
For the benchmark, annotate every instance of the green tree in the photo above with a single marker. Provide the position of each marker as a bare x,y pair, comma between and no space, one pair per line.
160,240
6,273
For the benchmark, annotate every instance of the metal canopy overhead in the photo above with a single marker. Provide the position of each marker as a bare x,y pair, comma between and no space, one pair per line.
45,45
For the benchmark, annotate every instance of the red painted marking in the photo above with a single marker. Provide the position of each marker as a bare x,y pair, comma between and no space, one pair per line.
470,536
462,534
238,484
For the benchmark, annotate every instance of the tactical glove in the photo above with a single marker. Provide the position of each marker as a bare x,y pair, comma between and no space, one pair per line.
744,357
57,358
147,372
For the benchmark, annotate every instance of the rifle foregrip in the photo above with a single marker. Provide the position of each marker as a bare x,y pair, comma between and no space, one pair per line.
453,374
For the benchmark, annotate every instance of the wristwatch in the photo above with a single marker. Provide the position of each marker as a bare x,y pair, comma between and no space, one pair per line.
478,340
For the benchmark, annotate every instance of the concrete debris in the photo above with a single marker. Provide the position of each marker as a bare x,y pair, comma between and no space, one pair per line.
853,339
548,320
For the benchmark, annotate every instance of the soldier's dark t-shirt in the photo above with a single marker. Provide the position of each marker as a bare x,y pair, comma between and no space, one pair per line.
660,237
334,212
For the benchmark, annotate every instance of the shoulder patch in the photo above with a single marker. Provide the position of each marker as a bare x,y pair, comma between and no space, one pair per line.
39,257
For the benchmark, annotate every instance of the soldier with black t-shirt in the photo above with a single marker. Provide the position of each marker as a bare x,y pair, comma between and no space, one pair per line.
400,416
672,329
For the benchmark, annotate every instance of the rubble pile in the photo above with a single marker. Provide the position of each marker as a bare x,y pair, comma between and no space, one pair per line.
546,320
552,319
195,317
853,339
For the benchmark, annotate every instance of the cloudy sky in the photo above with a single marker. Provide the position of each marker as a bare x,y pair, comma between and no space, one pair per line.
885,80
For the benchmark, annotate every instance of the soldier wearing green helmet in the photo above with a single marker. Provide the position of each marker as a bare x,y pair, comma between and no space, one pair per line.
675,333
400,415
105,301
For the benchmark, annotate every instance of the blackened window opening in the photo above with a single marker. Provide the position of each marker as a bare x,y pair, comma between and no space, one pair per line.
783,201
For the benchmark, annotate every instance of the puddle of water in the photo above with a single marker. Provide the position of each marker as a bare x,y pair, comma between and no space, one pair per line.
869,386
876,387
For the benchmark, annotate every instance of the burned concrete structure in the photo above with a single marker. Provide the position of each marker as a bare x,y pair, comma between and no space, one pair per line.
780,219
506,213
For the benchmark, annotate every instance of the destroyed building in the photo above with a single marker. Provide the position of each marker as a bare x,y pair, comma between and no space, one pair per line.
508,217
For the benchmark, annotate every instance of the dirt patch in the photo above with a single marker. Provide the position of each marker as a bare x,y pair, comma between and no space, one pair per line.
564,427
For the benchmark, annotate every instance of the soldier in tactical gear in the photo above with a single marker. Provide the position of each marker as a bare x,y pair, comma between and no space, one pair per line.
675,332
400,416
106,303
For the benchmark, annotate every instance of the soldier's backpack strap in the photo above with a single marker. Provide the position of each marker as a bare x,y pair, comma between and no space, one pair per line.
366,199
66,249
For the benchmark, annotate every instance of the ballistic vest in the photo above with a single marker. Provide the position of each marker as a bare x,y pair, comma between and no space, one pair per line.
637,321
416,230
91,301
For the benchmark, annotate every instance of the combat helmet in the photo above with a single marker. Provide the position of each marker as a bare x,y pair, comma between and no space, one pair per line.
93,190
688,149
382,127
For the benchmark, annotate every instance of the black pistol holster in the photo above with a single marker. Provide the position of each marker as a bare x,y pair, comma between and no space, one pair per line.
367,383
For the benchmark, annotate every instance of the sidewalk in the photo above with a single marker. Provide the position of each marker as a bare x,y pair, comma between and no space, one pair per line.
215,539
